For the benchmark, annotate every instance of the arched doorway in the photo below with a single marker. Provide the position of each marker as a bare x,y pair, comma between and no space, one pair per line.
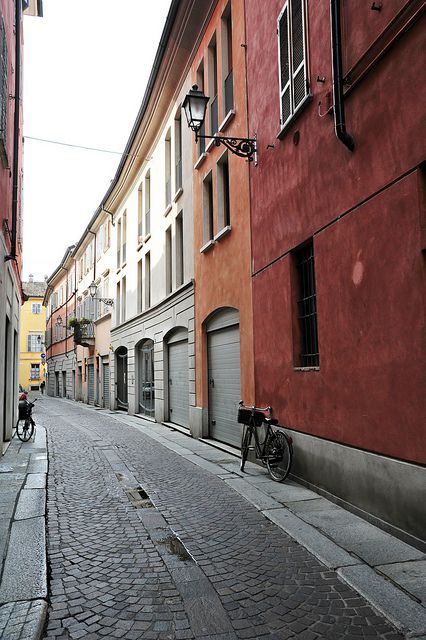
146,389
178,378
121,378
223,353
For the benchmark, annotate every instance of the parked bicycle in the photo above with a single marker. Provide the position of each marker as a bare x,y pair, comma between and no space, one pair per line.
276,449
25,427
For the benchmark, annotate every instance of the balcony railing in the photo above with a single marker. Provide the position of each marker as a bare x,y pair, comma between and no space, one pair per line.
84,333
214,122
229,93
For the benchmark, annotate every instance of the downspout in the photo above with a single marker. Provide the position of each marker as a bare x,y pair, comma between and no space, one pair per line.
338,100
15,174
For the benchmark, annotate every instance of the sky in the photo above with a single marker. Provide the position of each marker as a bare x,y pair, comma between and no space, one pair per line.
86,66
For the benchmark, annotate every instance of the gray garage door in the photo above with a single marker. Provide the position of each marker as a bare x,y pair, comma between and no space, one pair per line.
105,384
91,383
224,384
178,383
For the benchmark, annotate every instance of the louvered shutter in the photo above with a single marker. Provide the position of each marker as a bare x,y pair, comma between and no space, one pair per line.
298,52
284,60
292,58
28,343
3,83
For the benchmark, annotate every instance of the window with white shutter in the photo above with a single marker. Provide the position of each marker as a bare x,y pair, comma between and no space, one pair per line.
292,55
4,94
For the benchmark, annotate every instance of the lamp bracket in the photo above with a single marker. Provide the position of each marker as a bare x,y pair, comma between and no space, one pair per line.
242,147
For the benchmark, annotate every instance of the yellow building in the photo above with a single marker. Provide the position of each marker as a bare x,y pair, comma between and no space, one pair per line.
33,326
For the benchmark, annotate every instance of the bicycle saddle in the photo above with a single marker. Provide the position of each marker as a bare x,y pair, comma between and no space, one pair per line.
271,420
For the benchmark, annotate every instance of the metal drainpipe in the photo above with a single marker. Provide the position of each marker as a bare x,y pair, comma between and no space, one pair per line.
338,100
16,122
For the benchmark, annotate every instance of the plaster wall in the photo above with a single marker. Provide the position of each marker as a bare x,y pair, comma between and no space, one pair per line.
222,271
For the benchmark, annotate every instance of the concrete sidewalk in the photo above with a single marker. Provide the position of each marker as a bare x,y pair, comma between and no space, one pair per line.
388,573
23,577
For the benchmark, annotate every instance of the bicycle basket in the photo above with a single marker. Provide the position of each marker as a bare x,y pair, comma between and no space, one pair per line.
24,408
244,417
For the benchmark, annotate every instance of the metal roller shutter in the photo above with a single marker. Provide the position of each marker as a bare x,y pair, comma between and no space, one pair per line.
224,384
91,383
105,384
178,383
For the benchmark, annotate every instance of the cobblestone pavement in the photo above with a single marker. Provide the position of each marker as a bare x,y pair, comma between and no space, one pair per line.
119,506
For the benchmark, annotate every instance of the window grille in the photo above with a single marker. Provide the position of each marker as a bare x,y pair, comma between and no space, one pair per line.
294,86
307,306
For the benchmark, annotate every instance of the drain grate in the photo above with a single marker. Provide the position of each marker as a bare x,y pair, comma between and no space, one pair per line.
139,498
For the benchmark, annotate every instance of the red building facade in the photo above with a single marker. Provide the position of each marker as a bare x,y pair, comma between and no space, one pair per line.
11,296
338,241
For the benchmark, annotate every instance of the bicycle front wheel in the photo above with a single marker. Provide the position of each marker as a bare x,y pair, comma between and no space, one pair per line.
24,429
245,444
278,454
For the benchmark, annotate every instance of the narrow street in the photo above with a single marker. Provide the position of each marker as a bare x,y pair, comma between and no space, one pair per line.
119,503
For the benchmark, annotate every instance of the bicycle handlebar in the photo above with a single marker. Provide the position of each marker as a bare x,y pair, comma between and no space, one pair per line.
254,408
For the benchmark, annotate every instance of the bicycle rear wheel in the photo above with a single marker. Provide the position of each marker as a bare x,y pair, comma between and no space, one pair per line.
245,444
278,454
24,429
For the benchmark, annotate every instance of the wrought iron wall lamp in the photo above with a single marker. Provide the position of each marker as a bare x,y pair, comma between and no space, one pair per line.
195,105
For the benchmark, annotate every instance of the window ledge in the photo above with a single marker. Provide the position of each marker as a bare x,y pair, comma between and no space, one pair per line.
210,144
139,246
124,265
105,273
222,232
167,210
147,237
207,246
178,194
118,271
302,369
229,116
281,133
200,161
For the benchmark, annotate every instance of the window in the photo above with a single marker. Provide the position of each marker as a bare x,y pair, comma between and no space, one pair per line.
123,299
200,84
100,236
292,58
35,372
148,204
178,152
4,93
147,280
118,244
228,83
179,249
169,261
118,304
140,287
36,307
124,238
168,169
35,343
140,213
208,209
306,329
214,116
224,213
